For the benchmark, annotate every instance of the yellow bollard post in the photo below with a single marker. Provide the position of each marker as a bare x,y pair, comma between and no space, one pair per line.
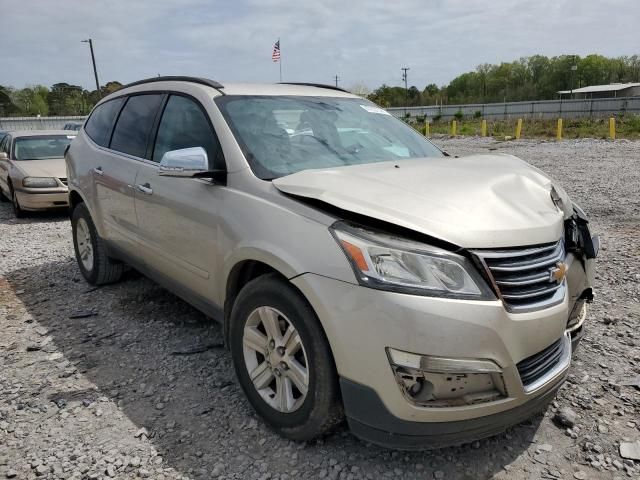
612,128
559,131
483,128
518,129
426,129
454,128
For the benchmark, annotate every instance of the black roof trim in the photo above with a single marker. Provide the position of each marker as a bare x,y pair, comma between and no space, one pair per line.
179,78
319,85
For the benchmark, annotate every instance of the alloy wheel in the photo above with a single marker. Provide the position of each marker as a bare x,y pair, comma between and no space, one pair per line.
275,359
85,246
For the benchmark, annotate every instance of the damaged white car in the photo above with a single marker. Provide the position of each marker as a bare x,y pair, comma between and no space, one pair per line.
358,271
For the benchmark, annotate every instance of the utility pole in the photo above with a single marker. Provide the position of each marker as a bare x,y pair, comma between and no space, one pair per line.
337,78
406,88
95,70
574,67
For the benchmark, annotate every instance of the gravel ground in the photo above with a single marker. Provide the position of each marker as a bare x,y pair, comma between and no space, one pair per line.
141,387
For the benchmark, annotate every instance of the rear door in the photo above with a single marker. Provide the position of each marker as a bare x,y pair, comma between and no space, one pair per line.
117,167
178,218
91,157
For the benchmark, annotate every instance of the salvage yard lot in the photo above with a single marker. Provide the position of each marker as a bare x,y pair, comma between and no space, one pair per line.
140,386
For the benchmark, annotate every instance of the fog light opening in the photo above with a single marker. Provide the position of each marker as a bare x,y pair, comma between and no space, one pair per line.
422,390
446,389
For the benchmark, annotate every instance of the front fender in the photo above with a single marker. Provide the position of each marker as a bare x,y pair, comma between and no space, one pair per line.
274,256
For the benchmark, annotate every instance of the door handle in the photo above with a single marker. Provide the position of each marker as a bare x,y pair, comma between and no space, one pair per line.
98,171
144,188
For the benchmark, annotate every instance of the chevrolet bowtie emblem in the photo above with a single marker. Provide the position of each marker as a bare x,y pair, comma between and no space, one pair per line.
557,273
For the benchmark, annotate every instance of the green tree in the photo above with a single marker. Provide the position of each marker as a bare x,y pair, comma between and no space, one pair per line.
7,107
31,101
65,99
594,70
110,87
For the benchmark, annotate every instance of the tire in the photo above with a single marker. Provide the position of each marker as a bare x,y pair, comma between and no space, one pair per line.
311,414
96,266
17,210
3,197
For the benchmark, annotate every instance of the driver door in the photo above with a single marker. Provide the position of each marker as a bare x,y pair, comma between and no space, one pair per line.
178,218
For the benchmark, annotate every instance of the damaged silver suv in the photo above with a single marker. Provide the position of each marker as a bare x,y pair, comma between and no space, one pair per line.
357,270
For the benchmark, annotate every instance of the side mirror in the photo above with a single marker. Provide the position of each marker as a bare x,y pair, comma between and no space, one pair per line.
3,156
185,162
189,162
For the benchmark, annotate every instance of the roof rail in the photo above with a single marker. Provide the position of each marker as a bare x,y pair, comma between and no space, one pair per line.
179,78
319,85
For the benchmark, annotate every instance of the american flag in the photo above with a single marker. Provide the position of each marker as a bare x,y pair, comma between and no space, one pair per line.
275,56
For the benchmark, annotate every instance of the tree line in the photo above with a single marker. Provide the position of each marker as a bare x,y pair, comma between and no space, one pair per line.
62,99
529,78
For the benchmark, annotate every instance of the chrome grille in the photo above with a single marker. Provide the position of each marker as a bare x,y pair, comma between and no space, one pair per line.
524,276
538,365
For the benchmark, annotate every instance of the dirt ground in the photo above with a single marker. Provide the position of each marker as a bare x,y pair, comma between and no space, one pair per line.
140,386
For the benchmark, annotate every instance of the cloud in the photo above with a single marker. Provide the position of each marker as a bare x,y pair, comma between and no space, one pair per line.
361,41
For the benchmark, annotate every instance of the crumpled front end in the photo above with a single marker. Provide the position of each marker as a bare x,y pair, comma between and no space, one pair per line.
581,278
423,372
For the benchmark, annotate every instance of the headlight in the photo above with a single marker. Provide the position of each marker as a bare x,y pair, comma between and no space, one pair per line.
39,182
387,262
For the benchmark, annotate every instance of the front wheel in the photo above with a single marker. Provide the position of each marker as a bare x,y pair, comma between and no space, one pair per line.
95,265
17,209
283,361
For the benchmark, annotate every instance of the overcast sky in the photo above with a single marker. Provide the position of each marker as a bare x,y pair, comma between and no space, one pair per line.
362,41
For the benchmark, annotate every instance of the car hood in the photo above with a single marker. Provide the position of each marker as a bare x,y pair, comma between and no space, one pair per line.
51,167
478,201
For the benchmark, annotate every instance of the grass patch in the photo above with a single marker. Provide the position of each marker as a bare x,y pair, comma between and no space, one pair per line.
627,126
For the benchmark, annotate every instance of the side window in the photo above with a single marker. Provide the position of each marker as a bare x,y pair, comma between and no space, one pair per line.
184,124
98,127
132,129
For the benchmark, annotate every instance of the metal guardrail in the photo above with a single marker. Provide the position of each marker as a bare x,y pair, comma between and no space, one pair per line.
542,109
37,123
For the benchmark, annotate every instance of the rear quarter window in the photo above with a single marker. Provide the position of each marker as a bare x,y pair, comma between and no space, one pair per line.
98,127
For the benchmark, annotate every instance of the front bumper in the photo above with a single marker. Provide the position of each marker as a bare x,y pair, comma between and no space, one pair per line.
42,198
370,420
361,324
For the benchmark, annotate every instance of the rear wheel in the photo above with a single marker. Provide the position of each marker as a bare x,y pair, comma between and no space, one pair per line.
95,265
282,359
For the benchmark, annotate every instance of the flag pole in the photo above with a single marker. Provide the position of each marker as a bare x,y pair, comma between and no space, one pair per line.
280,62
